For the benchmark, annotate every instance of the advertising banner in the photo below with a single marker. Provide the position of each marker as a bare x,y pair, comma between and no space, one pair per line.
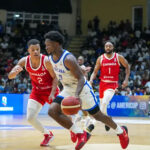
11,103
121,106
129,106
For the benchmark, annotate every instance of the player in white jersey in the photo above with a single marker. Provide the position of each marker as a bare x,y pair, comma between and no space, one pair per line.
74,84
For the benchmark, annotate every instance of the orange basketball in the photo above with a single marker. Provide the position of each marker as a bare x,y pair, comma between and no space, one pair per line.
70,105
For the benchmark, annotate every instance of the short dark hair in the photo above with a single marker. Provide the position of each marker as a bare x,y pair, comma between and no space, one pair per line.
55,36
33,42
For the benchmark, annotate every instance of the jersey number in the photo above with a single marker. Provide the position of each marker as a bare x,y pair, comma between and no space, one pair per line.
39,80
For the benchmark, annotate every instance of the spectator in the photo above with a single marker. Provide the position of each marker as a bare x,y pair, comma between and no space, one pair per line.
89,26
138,92
96,23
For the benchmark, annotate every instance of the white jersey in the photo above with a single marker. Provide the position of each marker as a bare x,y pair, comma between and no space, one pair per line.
69,83
62,72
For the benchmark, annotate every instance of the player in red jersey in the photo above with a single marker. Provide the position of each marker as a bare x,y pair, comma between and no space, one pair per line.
109,66
44,85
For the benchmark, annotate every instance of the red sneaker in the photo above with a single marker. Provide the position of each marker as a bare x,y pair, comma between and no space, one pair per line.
124,139
73,137
47,138
82,139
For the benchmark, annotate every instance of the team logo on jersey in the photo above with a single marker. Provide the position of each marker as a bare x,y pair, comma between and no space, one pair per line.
4,100
59,70
43,69
115,60
109,64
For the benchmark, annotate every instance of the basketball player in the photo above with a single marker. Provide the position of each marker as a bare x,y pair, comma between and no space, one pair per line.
74,84
109,66
44,85
89,121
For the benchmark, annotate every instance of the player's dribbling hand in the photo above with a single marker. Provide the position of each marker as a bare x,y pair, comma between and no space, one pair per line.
124,84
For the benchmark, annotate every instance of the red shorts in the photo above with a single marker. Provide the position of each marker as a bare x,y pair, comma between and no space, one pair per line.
42,97
104,86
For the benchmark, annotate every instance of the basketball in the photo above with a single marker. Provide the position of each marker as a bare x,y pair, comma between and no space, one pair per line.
70,105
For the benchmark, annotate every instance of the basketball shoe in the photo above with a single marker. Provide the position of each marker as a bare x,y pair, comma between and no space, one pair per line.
124,139
90,128
47,138
82,139
73,137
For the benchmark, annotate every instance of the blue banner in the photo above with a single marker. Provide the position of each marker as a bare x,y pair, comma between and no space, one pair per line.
122,106
11,104
132,106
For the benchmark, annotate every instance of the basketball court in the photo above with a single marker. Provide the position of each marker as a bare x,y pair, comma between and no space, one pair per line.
17,134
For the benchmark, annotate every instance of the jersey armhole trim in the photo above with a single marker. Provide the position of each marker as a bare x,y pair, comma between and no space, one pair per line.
25,66
44,61
101,59
117,58
64,60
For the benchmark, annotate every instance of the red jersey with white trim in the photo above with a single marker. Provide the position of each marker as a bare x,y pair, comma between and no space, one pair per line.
110,68
40,77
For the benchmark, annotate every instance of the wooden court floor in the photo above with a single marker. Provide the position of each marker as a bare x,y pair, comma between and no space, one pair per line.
17,134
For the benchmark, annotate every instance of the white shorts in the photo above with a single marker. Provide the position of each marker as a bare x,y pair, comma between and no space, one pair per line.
87,96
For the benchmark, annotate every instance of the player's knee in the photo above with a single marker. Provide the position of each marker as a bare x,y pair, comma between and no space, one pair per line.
99,116
52,112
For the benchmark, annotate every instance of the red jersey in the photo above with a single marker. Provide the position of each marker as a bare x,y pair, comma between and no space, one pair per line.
110,68
40,77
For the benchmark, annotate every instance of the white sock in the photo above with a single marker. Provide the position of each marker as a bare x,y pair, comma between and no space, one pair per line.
119,130
76,129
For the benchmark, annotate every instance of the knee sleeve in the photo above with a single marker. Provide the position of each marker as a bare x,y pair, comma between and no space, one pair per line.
108,94
103,108
33,109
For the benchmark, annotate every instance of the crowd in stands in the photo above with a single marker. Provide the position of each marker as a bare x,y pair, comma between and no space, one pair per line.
134,45
13,46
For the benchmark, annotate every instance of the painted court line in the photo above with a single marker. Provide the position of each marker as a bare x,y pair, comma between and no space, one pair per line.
29,127
25,127
132,121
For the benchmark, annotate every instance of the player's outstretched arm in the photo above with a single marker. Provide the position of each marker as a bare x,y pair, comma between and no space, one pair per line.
17,69
71,63
49,67
125,64
96,69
